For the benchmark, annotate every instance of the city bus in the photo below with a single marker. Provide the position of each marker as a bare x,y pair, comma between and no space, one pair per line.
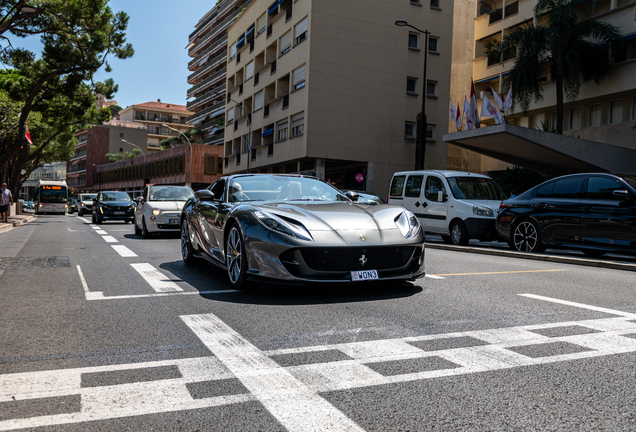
51,197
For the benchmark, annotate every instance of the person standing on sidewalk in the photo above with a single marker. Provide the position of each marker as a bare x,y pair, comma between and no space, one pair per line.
5,199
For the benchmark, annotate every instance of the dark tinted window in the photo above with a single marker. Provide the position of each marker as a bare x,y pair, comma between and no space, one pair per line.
602,188
397,185
544,191
414,186
434,185
218,188
567,188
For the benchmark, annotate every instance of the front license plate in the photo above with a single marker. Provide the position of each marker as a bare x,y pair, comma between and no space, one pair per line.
119,213
364,275
173,221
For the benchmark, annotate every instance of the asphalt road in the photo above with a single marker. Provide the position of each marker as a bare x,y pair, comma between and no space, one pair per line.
103,330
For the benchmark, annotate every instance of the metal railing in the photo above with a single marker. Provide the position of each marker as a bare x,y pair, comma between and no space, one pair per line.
215,46
208,80
201,70
203,97
205,111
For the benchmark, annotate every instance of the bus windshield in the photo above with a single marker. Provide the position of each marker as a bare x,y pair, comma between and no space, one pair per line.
53,194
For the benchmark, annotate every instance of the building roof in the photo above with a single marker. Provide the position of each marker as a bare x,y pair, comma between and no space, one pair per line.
161,105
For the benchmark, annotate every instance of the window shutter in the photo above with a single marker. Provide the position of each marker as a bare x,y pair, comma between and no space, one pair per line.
285,41
249,70
298,76
261,24
258,100
230,115
301,28
232,50
297,119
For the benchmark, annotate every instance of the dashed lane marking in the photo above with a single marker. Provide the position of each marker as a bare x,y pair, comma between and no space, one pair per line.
101,232
110,239
123,251
157,280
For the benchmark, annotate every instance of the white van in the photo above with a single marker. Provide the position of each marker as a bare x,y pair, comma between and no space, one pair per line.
458,205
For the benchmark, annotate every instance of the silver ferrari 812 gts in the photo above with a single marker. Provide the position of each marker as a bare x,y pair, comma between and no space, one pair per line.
294,229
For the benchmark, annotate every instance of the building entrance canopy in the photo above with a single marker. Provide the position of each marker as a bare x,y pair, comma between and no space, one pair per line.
548,153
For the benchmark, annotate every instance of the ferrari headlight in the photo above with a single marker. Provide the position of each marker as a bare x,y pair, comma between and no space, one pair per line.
156,212
483,211
408,224
277,224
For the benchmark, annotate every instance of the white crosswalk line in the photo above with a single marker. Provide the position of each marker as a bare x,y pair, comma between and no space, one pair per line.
157,280
123,251
101,232
110,239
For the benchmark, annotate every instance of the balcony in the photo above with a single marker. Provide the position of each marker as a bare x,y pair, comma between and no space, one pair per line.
76,181
76,168
217,76
206,97
496,15
212,48
201,114
221,58
511,9
220,27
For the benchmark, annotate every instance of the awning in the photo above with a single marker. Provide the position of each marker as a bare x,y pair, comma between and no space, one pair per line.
240,42
268,131
487,79
274,6
623,39
250,31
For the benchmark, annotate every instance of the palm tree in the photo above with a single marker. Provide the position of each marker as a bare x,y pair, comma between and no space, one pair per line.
573,48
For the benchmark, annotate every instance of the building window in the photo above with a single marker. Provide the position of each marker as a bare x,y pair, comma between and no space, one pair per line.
616,111
435,4
414,41
285,43
298,78
409,130
411,85
417,2
575,118
433,44
121,135
261,24
594,116
230,117
431,88
297,124
430,132
232,50
258,100
249,70
121,150
300,31
281,130
245,143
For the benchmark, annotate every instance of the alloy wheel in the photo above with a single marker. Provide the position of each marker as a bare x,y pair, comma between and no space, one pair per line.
526,237
233,255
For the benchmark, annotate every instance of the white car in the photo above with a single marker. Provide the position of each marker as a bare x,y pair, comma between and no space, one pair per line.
159,209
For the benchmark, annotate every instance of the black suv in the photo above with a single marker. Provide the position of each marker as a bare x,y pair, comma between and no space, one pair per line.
113,205
595,213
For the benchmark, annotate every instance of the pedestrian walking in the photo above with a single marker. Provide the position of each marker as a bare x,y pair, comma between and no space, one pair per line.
5,199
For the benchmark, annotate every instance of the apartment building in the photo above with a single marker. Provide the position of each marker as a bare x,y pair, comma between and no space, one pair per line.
334,88
153,116
602,116
208,48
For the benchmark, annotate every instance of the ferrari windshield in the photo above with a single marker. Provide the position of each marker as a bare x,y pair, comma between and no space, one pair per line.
281,188
476,188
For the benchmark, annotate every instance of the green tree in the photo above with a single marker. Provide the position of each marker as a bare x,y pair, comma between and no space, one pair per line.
568,44
77,38
114,110
194,135
116,157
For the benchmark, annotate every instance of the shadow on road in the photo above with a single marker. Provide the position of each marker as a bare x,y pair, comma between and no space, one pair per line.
206,277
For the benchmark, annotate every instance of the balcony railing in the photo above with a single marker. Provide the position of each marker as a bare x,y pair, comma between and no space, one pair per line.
209,50
73,181
512,9
220,26
211,62
206,111
496,15
206,81
76,168
201,99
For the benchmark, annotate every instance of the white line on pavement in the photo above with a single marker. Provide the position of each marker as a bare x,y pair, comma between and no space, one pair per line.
292,403
434,277
580,305
157,280
89,295
110,239
135,296
123,251
101,232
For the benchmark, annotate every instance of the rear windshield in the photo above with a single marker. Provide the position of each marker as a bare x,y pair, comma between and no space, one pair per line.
476,188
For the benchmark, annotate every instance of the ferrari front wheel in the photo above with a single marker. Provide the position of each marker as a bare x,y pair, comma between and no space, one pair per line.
235,258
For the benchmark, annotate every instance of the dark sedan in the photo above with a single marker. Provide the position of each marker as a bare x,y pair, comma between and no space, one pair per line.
113,206
595,213
295,229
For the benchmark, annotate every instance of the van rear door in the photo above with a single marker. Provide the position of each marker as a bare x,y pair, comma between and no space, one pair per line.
412,193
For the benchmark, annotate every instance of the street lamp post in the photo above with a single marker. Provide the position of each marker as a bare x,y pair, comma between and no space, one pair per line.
189,143
249,128
421,151
144,155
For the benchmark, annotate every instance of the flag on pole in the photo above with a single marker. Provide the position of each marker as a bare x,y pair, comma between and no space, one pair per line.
469,121
489,110
474,111
508,101
498,99
453,112
458,119
28,135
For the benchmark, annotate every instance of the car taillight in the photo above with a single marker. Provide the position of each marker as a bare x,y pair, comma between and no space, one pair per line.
502,206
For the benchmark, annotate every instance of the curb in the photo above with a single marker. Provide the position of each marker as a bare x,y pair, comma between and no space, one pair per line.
614,265
6,228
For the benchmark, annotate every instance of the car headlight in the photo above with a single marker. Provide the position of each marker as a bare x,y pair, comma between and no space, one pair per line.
277,224
156,212
408,224
483,211
82,204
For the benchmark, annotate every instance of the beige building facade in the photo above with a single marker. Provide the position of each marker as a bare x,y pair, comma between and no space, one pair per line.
153,116
333,88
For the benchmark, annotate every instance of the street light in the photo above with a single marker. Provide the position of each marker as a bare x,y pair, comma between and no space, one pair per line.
191,155
419,159
249,127
142,152
28,9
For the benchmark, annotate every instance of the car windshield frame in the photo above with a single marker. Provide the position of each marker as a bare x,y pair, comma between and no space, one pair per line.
281,188
475,189
159,188
115,196
630,180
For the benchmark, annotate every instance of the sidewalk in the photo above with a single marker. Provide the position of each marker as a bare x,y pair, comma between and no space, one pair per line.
16,221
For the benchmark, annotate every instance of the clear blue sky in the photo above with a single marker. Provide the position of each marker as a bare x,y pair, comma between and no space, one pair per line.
158,31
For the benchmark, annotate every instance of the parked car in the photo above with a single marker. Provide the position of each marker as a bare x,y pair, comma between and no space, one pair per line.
296,229
595,213
85,203
457,205
113,206
72,205
159,209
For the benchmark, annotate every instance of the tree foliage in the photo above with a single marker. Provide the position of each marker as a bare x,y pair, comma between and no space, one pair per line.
116,157
572,47
77,37
194,135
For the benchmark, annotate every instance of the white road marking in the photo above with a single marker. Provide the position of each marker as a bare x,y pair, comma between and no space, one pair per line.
110,239
434,277
290,401
157,280
136,296
71,229
101,232
580,305
89,295
95,227
123,251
